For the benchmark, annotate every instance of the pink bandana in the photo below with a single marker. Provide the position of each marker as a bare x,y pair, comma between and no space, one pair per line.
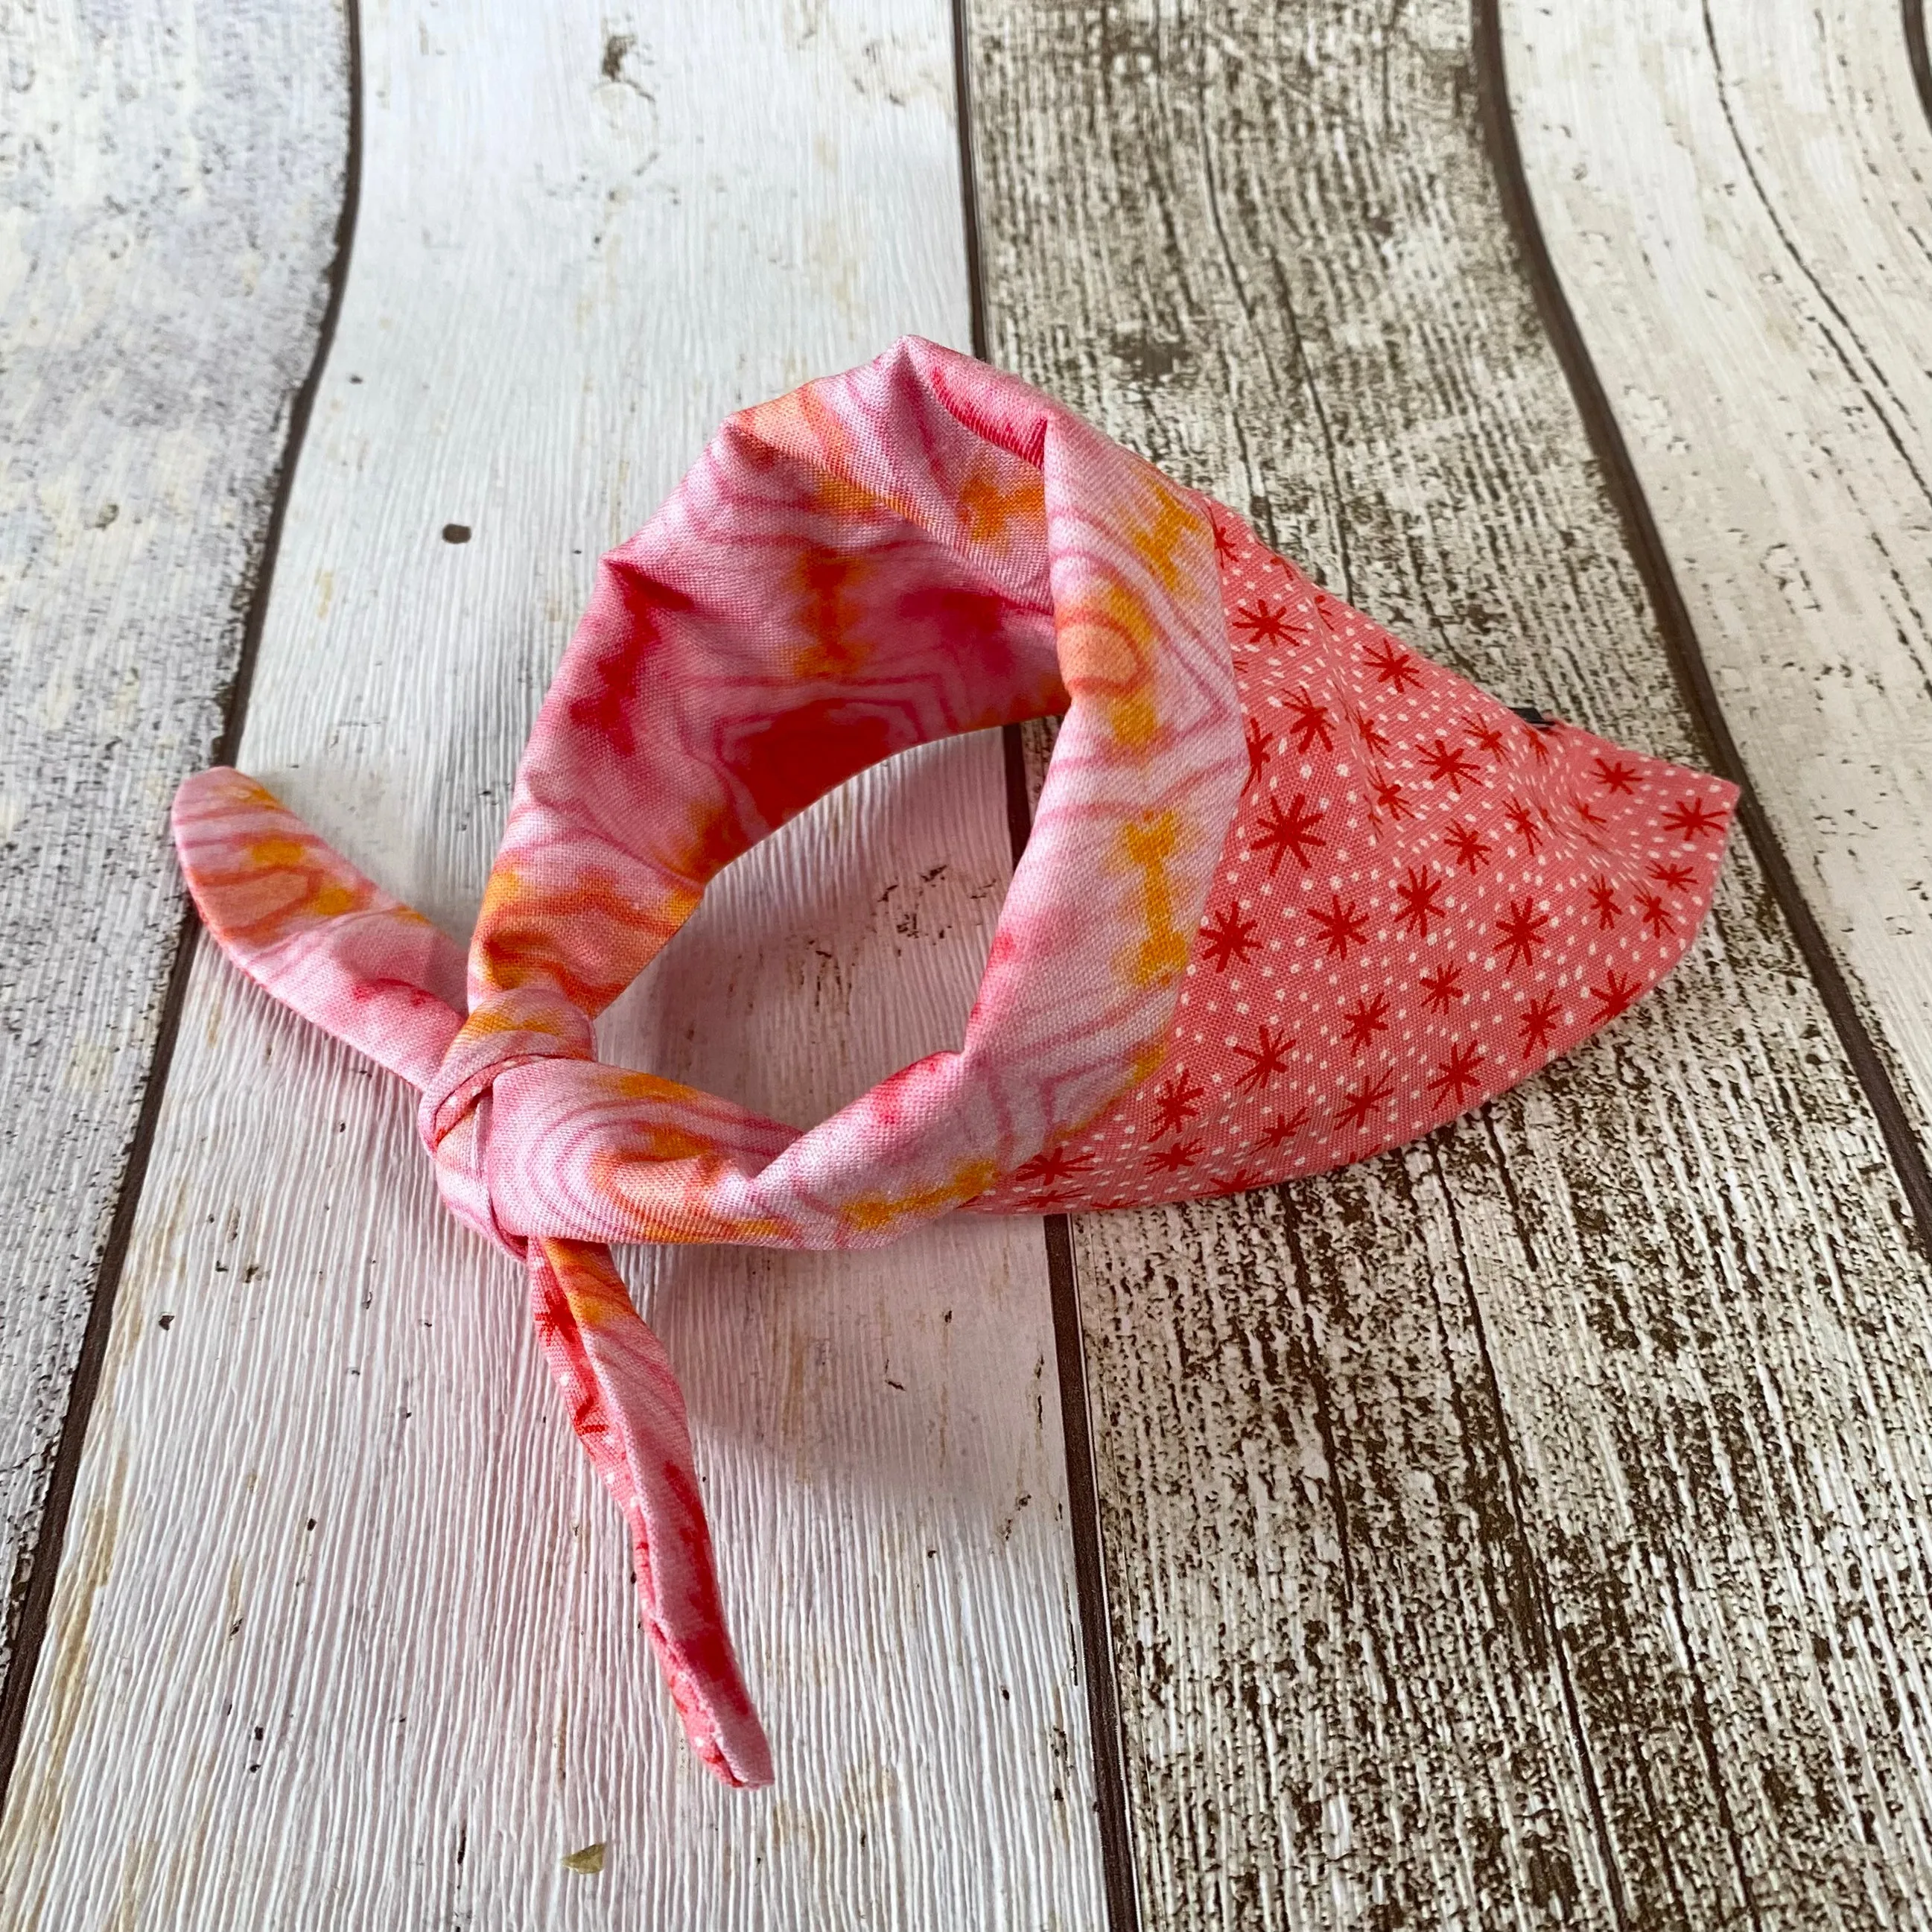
1294,894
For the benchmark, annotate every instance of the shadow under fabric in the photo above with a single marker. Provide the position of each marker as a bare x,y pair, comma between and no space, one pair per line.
1294,895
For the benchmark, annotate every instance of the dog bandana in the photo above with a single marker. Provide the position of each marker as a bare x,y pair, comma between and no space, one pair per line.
1293,894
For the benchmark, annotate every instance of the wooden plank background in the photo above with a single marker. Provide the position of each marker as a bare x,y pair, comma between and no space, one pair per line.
169,188
344,1627
1739,201
1528,1527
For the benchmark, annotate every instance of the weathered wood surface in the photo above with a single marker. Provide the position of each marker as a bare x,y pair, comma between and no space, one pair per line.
343,1633
1531,1527
1738,200
169,184
1918,52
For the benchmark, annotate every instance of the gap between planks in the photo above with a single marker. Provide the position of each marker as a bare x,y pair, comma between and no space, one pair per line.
168,613
1118,1862
1883,1016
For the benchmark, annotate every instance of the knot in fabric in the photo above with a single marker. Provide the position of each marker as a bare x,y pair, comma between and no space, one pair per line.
505,1030
1293,894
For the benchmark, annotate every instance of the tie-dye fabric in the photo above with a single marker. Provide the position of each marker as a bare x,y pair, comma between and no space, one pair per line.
1293,894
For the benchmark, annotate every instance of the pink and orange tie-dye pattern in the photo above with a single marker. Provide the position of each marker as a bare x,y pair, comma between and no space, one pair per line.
1293,893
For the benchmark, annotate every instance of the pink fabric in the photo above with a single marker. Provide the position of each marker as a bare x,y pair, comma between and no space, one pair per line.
1294,894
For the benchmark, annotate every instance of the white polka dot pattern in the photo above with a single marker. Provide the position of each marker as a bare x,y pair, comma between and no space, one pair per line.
1422,899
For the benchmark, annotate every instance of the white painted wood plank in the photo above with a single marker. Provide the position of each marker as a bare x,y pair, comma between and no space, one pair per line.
1738,197
170,178
343,1632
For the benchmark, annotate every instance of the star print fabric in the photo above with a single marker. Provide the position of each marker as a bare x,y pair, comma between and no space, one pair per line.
1422,899
1293,893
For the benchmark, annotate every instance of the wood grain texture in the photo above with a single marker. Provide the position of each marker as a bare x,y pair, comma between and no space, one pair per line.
1528,1527
1738,199
343,1633
1917,53
170,179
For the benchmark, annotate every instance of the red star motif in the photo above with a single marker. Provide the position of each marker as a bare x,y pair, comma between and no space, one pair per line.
1392,664
1309,722
1366,1019
1363,1102
1051,1168
1240,1182
1613,996
1694,818
1418,900
1588,813
1656,913
1370,732
1258,751
1440,986
1523,821
1283,1128
1264,624
1539,1020
1267,1058
1176,1102
1290,832
1172,1160
1485,736
1671,876
1389,798
1449,764
1616,774
1603,897
1522,932
1456,1077
1468,845
1227,936
1341,926
1224,544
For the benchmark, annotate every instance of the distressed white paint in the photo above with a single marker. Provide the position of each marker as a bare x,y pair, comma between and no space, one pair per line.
1738,199
169,181
1529,1528
343,1633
